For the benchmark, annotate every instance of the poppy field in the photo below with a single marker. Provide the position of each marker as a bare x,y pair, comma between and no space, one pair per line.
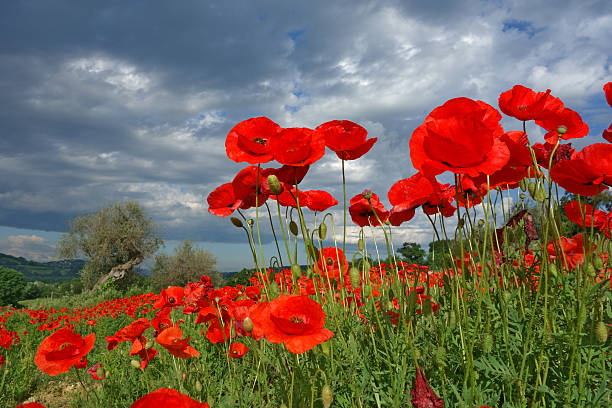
513,313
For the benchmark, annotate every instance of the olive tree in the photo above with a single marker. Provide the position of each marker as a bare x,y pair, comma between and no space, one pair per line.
12,285
187,264
114,240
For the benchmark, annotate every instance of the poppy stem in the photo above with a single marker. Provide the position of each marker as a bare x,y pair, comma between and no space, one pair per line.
344,204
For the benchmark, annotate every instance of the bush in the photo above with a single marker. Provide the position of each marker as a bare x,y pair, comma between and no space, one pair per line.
12,285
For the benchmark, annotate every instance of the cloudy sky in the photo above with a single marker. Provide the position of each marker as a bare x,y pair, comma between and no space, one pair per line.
133,100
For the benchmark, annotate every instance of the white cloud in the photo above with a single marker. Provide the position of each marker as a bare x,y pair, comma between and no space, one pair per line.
31,247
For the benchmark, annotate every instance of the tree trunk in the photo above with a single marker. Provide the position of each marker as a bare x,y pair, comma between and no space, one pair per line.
118,272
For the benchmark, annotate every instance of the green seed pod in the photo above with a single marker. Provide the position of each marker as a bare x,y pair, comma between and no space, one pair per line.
598,263
296,270
367,194
360,244
589,270
552,268
327,396
540,195
452,320
247,324
523,185
562,130
236,221
293,227
275,186
322,231
198,386
355,276
532,188
487,343
601,332
135,364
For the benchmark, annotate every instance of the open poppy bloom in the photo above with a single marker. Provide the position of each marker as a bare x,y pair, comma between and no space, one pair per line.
248,188
167,397
461,136
171,339
607,134
237,350
132,332
331,263
63,349
608,91
170,297
571,250
525,104
222,202
94,370
347,139
297,146
361,212
566,124
543,152
296,321
588,172
31,405
592,217
248,140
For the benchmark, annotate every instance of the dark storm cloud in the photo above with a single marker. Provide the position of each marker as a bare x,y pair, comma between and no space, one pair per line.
133,100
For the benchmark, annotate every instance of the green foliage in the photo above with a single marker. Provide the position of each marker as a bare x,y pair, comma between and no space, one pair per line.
412,253
112,236
241,278
12,285
187,264
55,271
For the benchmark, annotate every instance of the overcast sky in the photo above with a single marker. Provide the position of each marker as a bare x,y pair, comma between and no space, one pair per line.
133,100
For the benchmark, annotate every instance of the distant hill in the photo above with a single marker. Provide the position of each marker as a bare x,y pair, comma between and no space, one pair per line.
49,272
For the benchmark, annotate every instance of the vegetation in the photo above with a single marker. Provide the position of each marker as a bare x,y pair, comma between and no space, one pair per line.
12,285
55,271
115,239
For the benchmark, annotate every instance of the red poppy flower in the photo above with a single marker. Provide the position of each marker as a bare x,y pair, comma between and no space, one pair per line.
592,217
62,350
461,136
31,405
296,321
297,146
608,91
132,332
248,141
93,371
587,172
543,152
222,202
171,339
167,397
314,200
146,355
346,138
170,297
240,310
361,212
332,262
422,394
607,134
2,361
218,329
568,120
572,248
162,320
237,350
525,104
245,185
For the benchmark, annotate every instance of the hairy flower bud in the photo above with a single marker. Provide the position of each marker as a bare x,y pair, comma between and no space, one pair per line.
552,268
589,270
322,231
247,324
327,396
293,227
198,386
275,186
540,195
601,332
532,187
523,185
355,276
296,270
562,130
236,221
360,244
598,263
135,364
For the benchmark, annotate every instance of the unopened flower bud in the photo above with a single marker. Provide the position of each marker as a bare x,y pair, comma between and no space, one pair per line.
481,223
293,227
487,343
322,231
589,270
198,386
540,195
275,186
106,373
236,221
598,263
562,130
135,364
355,276
247,324
532,187
523,185
552,268
360,244
367,194
601,332
327,396
296,270
149,344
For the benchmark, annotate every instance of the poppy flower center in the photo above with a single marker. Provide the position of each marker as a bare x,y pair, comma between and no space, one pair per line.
171,300
329,261
296,319
259,140
522,108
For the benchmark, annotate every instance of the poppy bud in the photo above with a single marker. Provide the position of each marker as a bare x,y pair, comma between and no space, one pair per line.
275,186
327,396
149,343
107,373
198,386
322,231
236,221
589,270
360,244
598,263
481,223
601,332
135,364
523,185
296,270
293,228
540,195
487,343
309,272
552,268
247,324
367,194
355,276
562,130
532,187
325,348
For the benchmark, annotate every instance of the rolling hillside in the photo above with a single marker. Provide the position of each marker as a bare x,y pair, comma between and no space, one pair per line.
56,271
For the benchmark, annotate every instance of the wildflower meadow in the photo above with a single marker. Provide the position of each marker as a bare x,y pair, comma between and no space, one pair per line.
513,313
